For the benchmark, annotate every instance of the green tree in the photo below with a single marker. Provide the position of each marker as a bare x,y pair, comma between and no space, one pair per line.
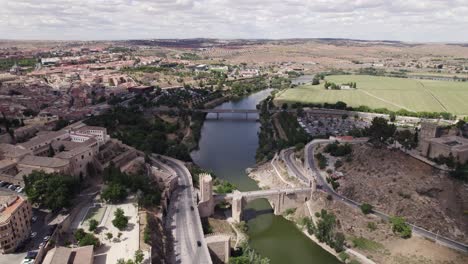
93,224
79,234
339,242
325,227
400,227
366,208
114,193
120,220
139,256
406,139
380,130
89,239
53,191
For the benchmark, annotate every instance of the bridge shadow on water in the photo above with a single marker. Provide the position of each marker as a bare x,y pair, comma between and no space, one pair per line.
251,213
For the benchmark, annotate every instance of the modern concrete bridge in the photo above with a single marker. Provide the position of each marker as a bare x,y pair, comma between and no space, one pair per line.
280,199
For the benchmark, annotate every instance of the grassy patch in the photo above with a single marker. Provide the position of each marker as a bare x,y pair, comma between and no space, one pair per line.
366,244
386,92
95,213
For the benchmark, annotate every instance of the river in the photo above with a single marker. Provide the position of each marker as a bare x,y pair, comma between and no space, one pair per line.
227,147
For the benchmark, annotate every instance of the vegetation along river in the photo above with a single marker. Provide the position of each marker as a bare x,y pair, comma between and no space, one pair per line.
227,147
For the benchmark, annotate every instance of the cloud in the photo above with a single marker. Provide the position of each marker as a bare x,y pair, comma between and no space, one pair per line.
409,20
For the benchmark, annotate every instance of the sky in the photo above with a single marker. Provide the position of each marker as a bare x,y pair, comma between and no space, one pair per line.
405,20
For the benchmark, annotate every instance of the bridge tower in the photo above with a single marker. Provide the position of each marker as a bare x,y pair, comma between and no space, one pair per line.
206,204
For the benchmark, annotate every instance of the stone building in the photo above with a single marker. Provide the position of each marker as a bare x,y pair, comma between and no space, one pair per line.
436,141
67,151
15,222
61,255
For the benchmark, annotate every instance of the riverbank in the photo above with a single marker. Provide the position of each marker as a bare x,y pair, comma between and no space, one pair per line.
271,175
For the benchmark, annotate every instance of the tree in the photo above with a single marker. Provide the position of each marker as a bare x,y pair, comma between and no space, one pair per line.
339,242
325,226
299,146
406,139
380,130
366,208
53,191
340,105
89,239
79,234
284,106
400,227
392,116
93,224
120,220
139,256
315,81
114,193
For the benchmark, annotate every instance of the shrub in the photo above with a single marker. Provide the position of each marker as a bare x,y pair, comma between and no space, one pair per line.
120,220
400,227
372,226
93,224
89,239
79,234
366,208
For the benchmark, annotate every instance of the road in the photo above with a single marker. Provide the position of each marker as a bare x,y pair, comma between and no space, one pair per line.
315,172
288,158
185,219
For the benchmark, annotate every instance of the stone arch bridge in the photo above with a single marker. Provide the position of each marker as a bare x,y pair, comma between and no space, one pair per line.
280,199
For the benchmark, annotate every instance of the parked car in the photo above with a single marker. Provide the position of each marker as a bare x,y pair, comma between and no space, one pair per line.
33,234
34,218
4,184
46,238
20,190
42,244
199,243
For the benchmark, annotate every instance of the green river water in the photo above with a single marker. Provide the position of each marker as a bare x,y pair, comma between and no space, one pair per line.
227,147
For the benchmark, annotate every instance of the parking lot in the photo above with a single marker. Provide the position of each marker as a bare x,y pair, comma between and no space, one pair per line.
322,126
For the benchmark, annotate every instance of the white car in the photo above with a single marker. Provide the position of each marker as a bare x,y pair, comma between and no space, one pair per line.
33,234
34,218
46,238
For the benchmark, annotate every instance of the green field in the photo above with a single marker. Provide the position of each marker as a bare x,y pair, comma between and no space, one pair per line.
386,92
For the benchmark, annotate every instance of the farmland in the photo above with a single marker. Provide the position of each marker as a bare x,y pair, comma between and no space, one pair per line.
386,92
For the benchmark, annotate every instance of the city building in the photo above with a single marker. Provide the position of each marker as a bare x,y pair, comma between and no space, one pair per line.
454,146
67,151
15,221
438,141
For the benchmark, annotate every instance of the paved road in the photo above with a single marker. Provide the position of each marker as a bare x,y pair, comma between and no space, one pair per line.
288,158
315,172
185,219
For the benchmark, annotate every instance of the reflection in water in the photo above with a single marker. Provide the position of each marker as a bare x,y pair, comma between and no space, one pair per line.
227,147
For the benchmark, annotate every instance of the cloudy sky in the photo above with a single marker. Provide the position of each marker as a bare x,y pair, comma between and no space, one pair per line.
408,20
